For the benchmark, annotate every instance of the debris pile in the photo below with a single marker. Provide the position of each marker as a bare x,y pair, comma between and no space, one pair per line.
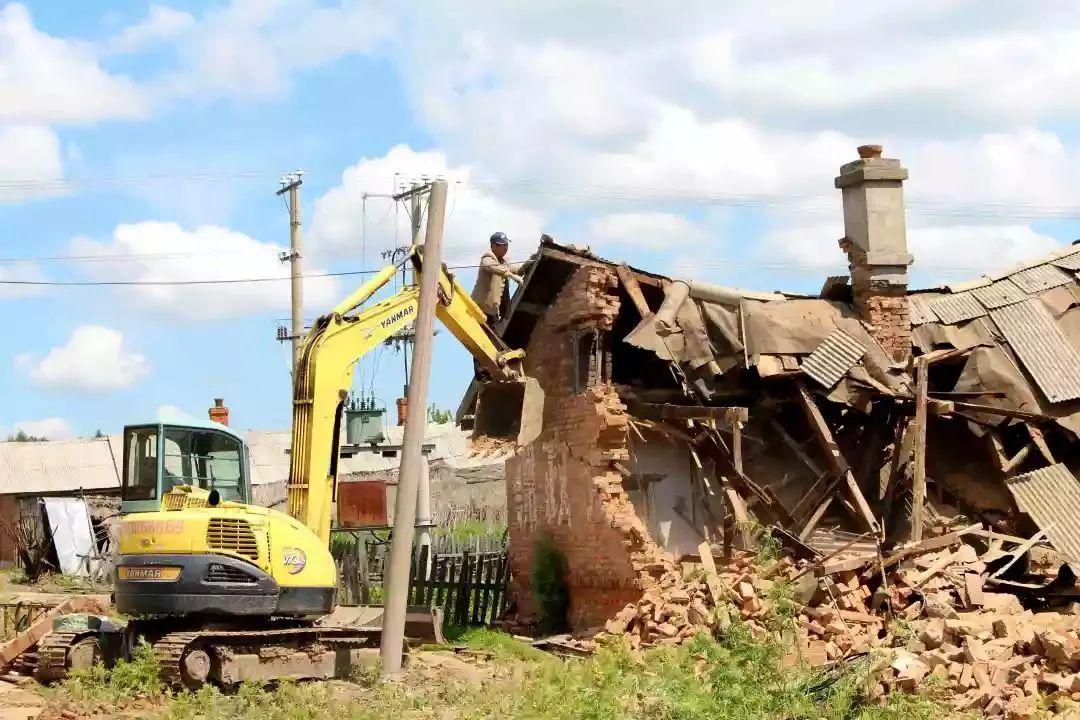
941,610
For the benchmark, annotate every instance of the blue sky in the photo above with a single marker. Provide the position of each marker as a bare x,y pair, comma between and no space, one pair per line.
144,141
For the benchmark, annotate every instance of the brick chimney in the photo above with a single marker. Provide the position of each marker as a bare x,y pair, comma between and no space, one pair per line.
219,413
876,244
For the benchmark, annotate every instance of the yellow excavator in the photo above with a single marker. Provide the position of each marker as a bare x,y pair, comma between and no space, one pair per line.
226,591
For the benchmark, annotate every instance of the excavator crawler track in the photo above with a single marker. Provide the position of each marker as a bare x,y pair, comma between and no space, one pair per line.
52,655
171,649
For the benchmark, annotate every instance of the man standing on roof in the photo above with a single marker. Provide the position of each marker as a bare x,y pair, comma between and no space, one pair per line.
491,292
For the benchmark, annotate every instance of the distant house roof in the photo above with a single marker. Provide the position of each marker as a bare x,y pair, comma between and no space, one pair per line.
68,466
270,459
60,466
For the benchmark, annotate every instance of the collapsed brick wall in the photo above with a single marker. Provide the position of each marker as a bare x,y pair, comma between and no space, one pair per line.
565,485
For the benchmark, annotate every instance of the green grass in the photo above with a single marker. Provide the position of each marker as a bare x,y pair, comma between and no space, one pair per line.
137,678
737,678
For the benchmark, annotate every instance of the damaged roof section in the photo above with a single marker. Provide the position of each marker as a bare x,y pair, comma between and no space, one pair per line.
856,435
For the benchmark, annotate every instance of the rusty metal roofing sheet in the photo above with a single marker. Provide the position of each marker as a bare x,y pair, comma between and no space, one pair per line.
952,309
1042,347
1040,277
1069,262
1000,294
831,360
1050,496
920,310
58,466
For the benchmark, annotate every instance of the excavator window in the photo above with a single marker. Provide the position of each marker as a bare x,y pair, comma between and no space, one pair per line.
140,478
205,459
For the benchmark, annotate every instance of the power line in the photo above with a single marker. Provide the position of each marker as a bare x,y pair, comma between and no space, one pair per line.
222,281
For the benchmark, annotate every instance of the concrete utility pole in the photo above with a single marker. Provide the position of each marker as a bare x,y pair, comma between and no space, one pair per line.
291,184
397,578
423,491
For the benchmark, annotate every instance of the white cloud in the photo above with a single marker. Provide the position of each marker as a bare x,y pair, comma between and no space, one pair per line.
250,50
472,214
45,79
15,273
943,253
161,23
53,428
94,359
30,161
651,230
172,254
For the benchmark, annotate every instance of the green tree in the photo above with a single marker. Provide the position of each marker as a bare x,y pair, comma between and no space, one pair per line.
435,415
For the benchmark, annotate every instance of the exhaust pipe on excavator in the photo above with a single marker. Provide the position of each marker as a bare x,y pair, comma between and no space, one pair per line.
510,410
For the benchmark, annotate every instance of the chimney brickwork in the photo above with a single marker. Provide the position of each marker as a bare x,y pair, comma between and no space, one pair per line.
219,413
876,244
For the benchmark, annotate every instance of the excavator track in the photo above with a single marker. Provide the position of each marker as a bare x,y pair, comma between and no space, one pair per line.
172,650
52,655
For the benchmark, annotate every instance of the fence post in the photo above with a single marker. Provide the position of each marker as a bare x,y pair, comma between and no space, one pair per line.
365,582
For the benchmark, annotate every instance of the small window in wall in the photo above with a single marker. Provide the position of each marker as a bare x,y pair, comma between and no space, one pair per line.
589,365
206,459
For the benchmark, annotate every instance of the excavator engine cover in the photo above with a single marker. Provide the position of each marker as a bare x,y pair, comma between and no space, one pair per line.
510,410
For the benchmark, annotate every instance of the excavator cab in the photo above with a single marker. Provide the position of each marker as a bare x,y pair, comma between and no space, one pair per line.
163,455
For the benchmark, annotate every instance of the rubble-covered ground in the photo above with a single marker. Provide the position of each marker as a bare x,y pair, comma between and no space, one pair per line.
493,675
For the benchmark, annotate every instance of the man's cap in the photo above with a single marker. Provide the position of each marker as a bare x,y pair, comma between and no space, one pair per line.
500,238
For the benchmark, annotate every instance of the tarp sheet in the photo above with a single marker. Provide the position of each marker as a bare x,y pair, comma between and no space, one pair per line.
72,534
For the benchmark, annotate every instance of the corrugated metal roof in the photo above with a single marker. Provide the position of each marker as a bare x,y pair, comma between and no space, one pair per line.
952,309
1040,277
1051,496
831,360
1002,293
59,466
1069,262
1042,347
919,309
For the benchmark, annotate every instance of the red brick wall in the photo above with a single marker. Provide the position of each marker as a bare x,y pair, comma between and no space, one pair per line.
564,484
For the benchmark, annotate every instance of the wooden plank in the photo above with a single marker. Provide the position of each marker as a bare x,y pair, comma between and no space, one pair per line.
29,637
834,457
1004,412
796,448
1018,552
1039,440
633,289
918,481
556,254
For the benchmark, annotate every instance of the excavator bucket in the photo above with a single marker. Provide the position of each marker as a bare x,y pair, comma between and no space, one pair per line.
510,410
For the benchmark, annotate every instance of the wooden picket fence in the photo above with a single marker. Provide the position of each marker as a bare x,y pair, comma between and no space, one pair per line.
469,586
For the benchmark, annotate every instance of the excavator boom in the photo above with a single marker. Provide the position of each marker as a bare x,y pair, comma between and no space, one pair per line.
340,338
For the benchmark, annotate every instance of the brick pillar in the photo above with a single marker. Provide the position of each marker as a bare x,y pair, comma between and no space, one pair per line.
566,485
876,244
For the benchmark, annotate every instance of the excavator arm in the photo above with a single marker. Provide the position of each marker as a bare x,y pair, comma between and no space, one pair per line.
339,339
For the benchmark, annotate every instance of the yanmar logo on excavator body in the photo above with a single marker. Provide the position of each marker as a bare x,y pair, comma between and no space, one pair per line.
399,315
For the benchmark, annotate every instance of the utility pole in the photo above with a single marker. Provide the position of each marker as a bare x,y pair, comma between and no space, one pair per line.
397,578
423,490
291,184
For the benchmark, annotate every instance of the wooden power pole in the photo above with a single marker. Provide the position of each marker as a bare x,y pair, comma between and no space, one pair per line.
290,184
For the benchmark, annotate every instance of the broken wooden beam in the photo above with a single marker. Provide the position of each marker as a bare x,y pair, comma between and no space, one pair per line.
834,457
633,289
918,480
725,417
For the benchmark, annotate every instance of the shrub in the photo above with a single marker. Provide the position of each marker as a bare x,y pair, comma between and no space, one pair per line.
549,586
